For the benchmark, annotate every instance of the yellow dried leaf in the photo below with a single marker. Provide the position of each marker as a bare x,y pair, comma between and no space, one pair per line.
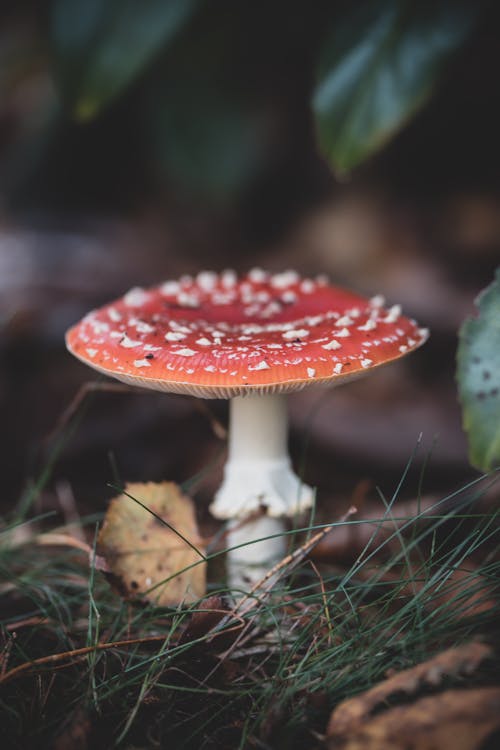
141,552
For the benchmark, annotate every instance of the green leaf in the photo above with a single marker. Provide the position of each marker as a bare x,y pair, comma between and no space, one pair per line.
207,146
478,375
102,46
378,67
207,126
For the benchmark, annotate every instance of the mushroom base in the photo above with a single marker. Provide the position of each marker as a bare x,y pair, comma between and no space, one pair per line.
249,564
266,483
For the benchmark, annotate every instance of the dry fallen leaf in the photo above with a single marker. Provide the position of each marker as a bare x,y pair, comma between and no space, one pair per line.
140,551
385,717
453,720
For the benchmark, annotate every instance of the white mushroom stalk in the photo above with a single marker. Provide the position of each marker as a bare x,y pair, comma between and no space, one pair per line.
260,489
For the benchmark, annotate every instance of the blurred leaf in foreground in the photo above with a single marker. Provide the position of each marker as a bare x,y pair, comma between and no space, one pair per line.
478,375
380,65
101,46
141,551
415,709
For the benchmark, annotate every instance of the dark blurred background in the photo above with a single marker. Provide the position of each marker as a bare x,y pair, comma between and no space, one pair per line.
136,146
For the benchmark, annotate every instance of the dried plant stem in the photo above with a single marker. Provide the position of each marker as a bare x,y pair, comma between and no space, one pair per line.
78,653
265,584
73,655
252,600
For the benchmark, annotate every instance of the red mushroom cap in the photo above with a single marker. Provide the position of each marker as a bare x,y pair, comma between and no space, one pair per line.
218,336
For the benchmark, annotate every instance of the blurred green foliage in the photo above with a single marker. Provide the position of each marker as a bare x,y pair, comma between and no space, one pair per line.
478,376
102,46
379,65
200,91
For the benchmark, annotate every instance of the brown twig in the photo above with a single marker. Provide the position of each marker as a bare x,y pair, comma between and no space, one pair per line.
5,655
286,564
267,582
77,654
56,539
325,601
11,627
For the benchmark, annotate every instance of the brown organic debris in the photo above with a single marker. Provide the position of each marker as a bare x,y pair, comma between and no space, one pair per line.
76,734
455,719
204,619
149,540
400,713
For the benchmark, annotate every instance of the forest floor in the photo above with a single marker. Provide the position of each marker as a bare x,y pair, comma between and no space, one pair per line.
351,610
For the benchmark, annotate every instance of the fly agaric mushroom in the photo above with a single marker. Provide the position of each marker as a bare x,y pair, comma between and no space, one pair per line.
251,340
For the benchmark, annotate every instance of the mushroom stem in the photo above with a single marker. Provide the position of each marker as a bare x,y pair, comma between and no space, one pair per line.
258,473
258,428
258,476
248,564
